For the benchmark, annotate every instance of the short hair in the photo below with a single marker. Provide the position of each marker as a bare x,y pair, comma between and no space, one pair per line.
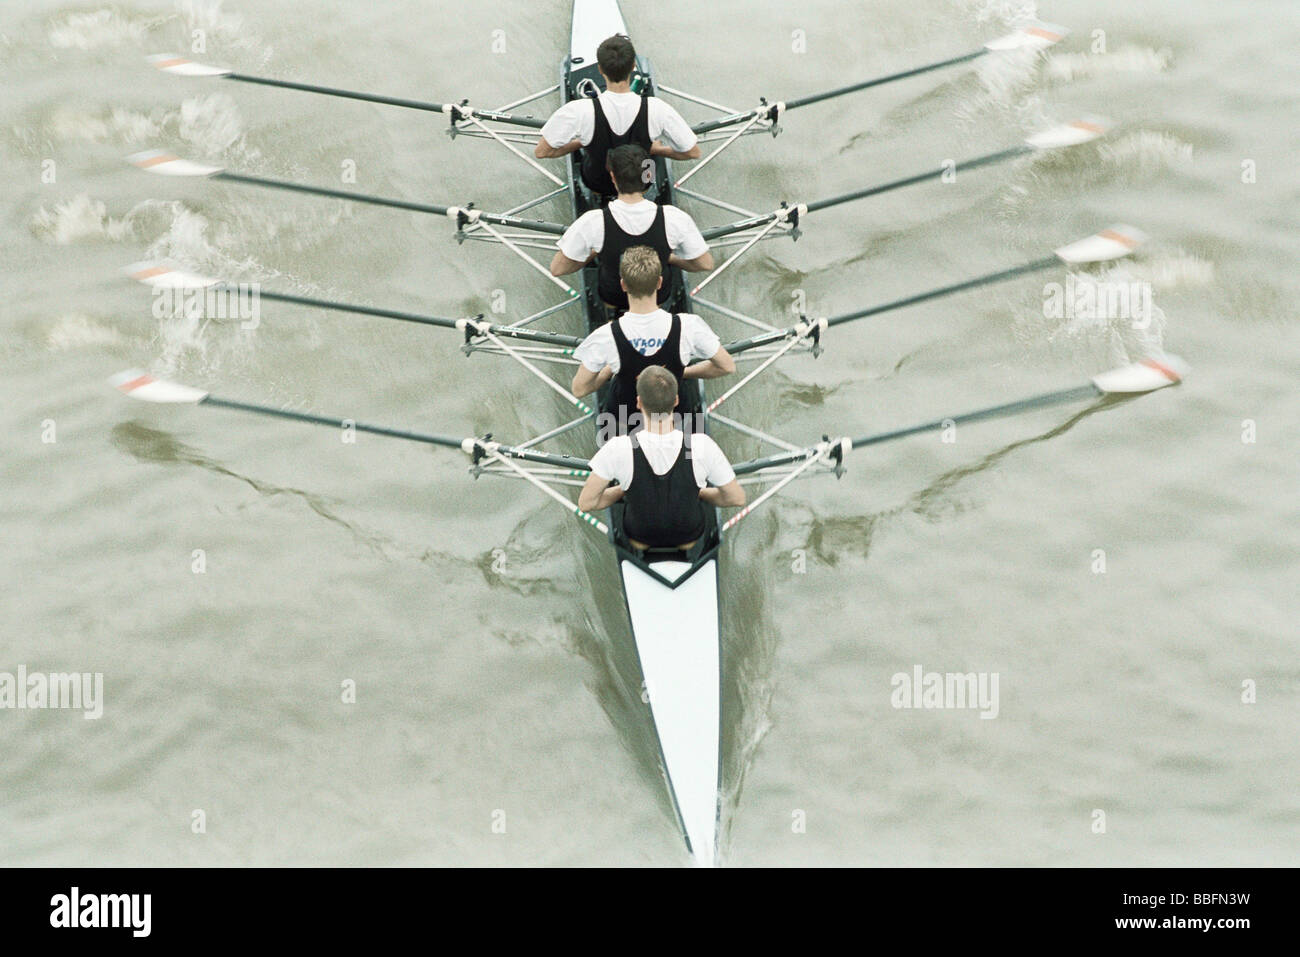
640,269
656,387
616,57
628,164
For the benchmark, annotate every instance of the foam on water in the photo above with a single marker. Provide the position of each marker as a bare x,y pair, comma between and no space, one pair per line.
1070,67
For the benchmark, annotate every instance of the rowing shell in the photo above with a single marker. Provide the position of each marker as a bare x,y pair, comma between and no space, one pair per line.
671,600
672,606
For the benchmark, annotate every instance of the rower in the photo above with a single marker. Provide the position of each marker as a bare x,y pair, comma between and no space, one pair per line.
644,336
631,220
666,477
615,117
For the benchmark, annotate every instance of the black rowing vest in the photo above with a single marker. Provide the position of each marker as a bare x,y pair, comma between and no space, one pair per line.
622,392
663,511
612,249
604,139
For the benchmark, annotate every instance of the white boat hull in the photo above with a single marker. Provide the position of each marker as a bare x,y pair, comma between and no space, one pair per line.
676,634
593,22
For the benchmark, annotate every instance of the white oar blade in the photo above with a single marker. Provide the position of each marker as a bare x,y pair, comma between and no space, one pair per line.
141,385
160,161
171,63
1113,242
1034,35
161,276
1068,134
1145,376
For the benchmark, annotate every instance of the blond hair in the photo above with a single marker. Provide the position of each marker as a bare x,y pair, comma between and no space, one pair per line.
640,269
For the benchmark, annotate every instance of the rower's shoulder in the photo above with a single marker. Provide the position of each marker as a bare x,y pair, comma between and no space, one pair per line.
676,212
703,442
574,107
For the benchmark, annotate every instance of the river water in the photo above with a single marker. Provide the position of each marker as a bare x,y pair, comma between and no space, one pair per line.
1123,573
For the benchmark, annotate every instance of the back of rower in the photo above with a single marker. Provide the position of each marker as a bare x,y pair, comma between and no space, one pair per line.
631,220
615,117
666,478
644,336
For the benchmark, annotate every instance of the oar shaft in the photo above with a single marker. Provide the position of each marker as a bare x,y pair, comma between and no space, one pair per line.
333,193
507,118
882,80
534,225
1045,400
733,118
1047,262
987,160
766,338
335,91
445,441
718,232
531,335
358,309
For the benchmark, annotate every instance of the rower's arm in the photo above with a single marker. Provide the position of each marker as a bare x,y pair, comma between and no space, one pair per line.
585,382
562,265
545,150
661,149
701,263
731,495
715,368
599,493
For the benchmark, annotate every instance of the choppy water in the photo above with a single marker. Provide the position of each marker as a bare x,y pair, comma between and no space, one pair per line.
482,691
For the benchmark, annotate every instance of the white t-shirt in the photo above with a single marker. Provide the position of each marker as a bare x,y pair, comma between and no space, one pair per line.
577,120
646,332
587,234
614,460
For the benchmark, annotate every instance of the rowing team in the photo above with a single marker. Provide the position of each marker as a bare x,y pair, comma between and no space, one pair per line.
665,475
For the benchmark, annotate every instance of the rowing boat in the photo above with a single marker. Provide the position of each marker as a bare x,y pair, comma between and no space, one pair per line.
672,604
671,600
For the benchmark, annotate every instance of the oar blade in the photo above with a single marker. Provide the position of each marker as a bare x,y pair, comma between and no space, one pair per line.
1074,133
1113,242
1034,35
168,164
141,385
180,66
1146,375
163,276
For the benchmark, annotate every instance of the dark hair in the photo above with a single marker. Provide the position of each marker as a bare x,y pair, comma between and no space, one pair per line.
656,387
616,58
630,165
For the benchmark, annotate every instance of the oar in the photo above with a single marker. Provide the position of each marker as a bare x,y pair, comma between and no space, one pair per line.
141,385
166,164
180,66
1031,36
1144,376
1114,242
1057,137
163,276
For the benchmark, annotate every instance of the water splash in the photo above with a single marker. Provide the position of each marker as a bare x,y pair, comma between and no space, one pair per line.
77,330
80,218
1146,151
1068,67
99,28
